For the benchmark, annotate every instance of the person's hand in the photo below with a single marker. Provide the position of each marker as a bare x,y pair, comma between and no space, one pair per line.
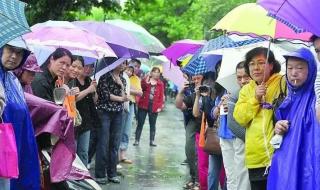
125,98
94,83
281,127
74,91
92,88
224,102
197,91
158,110
261,91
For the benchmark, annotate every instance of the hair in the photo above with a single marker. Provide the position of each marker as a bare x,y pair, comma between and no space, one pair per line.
209,76
240,65
154,69
262,51
78,58
58,53
131,67
135,61
313,38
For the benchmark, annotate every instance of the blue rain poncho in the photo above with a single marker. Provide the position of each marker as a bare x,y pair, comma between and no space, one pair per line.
17,113
296,164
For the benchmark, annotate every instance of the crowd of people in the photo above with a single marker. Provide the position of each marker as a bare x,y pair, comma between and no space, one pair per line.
267,133
101,113
263,137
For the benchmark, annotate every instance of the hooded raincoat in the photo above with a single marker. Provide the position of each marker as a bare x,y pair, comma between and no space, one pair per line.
296,164
17,113
258,122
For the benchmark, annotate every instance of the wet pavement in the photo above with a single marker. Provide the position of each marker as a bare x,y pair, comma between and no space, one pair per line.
156,168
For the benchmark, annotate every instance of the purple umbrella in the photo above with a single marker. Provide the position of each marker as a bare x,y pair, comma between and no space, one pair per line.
300,15
123,43
180,48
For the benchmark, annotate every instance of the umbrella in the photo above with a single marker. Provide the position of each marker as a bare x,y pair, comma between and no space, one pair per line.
151,43
105,65
182,47
64,34
13,20
233,53
200,63
297,14
121,41
251,19
174,74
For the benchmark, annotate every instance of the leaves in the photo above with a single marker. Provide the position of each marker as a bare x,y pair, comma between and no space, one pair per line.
168,20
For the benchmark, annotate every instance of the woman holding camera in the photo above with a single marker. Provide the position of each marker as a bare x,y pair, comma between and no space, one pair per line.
151,103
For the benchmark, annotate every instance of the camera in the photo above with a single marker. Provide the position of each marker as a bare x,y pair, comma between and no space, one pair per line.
204,89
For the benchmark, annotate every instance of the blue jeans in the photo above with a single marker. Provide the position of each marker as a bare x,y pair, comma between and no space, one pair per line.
109,136
4,184
126,130
215,165
83,146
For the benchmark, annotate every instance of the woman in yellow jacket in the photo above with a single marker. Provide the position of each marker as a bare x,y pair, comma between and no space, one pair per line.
254,112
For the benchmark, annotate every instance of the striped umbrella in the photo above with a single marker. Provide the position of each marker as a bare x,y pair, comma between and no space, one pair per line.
13,22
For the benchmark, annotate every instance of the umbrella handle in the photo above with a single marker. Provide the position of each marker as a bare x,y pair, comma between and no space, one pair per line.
268,54
95,69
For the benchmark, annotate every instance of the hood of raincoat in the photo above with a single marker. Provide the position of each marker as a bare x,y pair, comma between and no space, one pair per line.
299,155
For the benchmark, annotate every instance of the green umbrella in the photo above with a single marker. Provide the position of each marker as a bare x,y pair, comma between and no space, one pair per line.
151,43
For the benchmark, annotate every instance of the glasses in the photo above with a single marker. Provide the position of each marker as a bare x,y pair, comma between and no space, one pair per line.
257,63
317,50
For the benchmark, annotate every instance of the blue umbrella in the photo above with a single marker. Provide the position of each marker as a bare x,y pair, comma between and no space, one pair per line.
200,64
13,22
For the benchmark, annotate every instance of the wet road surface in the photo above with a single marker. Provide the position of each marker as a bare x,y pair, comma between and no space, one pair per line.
156,168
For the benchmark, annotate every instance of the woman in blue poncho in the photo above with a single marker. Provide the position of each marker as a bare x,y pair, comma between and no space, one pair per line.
16,112
296,164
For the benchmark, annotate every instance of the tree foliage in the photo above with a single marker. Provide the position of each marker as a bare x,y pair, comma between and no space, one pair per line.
43,10
168,20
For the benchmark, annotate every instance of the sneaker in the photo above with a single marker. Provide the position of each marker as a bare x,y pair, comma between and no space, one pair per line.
114,179
101,181
119,166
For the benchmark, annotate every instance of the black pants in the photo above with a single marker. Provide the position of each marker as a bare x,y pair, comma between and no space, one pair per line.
142,114
258,181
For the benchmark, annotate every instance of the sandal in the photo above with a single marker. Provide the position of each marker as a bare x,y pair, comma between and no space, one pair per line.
126,161
188,185
196,186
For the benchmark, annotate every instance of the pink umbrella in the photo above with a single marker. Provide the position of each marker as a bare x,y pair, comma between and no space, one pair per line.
65,34
174,74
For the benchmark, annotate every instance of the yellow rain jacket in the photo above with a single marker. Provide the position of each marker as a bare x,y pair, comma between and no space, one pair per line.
257,121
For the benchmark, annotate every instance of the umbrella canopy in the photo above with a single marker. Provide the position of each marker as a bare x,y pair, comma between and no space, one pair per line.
174,74
200,63
13,21
121,41
298,15
150,42
235,52
107,64
181,48
64,34
251,19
